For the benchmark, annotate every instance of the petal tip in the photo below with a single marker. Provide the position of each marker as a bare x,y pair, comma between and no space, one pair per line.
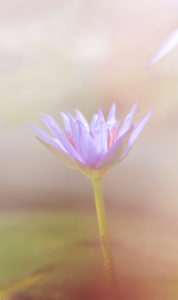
150,112
30,125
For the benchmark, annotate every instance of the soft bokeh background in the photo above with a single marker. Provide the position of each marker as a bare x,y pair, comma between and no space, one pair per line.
57,55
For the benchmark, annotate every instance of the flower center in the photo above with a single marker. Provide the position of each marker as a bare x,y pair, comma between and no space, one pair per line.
112,135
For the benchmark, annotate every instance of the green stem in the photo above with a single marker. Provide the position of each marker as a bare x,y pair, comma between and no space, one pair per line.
103,231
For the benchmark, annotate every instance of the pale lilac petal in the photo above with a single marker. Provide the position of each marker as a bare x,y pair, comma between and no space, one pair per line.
60,145
51,124
101,116
69,147
100,134
87,146
93,122
64,157
83,141
111,116
62,139
100,138
66,122
138,127
48,139
116,151
167,46
75,134
128,120
70,115
80,117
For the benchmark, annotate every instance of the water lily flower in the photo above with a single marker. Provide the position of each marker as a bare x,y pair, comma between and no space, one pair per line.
166,47
91,148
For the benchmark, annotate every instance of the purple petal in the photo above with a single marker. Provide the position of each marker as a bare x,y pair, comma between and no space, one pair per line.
101,116
51,124
100,134
128,120
70,115
75,133
93,122
66,122
115,152
87,146
83,141
69,147
62,143
45,136
138,127
80,117
167,46
64,157
111,116
100,138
